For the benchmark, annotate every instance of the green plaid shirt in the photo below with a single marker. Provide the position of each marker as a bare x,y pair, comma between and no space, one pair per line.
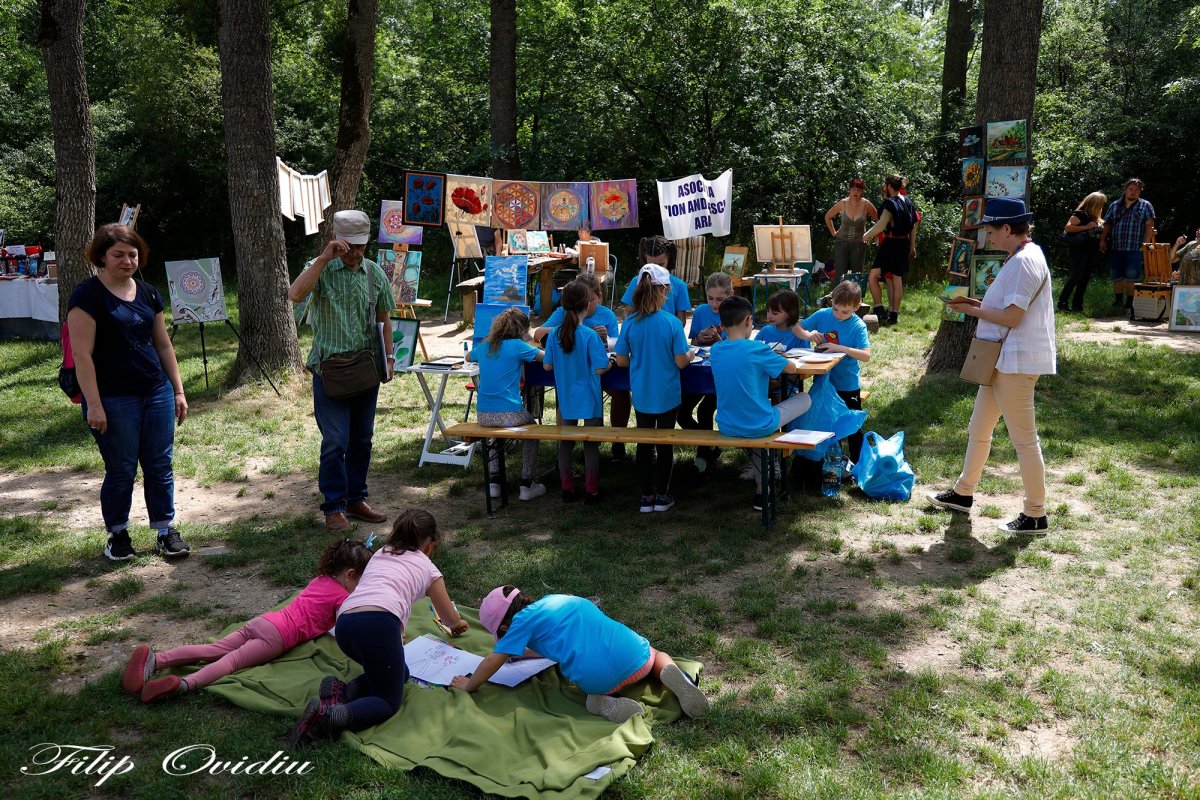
339,308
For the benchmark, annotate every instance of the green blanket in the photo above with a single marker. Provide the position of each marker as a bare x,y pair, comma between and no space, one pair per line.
536,740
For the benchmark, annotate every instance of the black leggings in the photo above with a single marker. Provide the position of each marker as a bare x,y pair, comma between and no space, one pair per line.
1082,259
375,640
853,400
655,473
705,406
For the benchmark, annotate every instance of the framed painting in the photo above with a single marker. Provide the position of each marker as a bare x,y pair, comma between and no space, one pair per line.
1185,309
1008,141
392,229
984,270
404,270
468,200
424,198
466,240
515,204
1007,181
537,241
504,279
949,293
404,341
972,212
962,253
517,241
196,291
565,206
734,260
970,142
972,177
613,204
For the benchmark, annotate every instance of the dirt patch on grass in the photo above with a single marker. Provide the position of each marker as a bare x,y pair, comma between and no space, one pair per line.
1117,331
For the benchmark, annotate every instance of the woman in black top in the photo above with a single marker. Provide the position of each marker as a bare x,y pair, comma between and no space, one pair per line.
132,393
1083,229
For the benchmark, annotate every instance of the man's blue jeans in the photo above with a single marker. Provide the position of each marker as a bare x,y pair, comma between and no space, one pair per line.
346,430
141,429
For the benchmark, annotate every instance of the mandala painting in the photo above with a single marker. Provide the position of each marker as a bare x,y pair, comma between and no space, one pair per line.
196,291
614,205
392,229
515,204
565,206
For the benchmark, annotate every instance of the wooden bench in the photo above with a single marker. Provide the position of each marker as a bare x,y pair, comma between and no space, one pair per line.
472,431
470,289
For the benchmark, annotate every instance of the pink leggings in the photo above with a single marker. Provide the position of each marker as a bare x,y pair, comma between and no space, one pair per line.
256,642
652,668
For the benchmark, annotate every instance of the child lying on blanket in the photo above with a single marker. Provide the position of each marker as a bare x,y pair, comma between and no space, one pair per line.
260,640
598,654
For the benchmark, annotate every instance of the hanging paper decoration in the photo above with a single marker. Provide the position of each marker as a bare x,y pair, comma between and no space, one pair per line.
565,206
515,204
614,204
392,229
468,199
304,196
424,198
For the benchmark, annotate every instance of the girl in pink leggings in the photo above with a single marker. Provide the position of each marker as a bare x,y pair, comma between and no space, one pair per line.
262,639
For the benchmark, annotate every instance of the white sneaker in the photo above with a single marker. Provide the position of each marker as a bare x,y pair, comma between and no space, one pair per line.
614,709
691,699
494,490
530,492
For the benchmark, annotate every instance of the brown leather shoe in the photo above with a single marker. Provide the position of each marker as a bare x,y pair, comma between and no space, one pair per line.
361,510
336,522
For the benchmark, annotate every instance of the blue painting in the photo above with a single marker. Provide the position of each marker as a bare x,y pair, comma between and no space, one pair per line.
504,279
424,198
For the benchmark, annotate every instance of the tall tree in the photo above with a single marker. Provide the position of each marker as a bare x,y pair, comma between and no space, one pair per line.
354,113
61,38
268,327
1007,79
960,37
506,161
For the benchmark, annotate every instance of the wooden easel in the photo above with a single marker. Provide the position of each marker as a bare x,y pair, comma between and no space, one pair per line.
783,248
132,219
408,310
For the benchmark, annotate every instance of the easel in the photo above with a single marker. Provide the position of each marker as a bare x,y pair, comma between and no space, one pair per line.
782,260
455,271
241,341
133,215
408,310
783,248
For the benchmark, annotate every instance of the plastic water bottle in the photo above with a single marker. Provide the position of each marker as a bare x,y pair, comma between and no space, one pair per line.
831,472
590,264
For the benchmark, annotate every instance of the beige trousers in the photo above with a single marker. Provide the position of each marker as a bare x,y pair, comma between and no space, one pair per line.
1010,396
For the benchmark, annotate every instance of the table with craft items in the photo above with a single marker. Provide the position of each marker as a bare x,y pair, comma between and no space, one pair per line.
455,452
546,264
29,309
792,278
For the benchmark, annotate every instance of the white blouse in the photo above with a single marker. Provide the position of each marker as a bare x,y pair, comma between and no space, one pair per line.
1029,348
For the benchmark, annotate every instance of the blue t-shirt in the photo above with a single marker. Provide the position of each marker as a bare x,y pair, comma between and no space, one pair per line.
772,335
742,370
593,651
677,296
575,377
603,315
702,318
850,333
652,343
126,362
499,383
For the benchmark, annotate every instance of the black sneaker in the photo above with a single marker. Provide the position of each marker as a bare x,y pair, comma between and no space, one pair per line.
952,500
119,547
893,317
758,502
881,315
172,545
1035,526
590,499
312,725
569,496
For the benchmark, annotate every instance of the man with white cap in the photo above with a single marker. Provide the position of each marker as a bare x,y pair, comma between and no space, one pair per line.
339,313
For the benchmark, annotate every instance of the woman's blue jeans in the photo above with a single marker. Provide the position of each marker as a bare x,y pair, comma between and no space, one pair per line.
141,429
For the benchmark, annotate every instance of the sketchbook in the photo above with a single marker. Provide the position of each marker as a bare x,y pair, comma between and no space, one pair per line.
804,437
434,661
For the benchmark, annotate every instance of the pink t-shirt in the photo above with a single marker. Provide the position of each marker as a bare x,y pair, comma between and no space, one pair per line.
393,581
310,614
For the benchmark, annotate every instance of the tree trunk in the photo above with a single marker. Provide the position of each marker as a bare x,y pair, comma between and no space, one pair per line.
354,114
1007,78
267,325
61,38
506,161
959,39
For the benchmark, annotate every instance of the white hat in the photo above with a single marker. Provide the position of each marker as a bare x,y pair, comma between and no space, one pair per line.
352,227
658,275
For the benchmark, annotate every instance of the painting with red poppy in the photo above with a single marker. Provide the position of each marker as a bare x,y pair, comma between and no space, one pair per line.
424,198
565,206
613,205
516,205
468,200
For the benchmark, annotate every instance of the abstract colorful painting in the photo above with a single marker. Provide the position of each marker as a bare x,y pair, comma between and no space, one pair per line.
565,206
1007,181
949,293
972,212
1007,141
469,199
424,198
196,291
972,176
961,254
404,271
613,204
392,229
983,272
515,204
504,279
970,142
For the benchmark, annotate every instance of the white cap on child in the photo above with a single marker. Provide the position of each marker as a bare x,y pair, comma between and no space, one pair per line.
658,275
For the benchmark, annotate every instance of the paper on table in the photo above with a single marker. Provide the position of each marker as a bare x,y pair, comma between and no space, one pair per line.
435,661
515,430
804,437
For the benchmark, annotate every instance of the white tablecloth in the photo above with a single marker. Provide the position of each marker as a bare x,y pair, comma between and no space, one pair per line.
29,299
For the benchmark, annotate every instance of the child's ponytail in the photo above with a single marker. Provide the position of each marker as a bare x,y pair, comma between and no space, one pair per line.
343,554
575,299
413,528
647,298
511,323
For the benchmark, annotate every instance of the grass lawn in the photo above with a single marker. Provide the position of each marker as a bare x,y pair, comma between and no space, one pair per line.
857,649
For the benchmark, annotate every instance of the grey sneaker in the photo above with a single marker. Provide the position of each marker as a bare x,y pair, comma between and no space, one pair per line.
172,545
690,698
614,709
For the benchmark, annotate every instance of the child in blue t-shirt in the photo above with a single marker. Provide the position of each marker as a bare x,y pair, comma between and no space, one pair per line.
595,652
577,356
601,318
706,330
502,357
654,348
742,370
839,330
783,311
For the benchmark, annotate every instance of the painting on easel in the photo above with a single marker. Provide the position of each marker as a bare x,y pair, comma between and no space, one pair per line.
197,294
404,271
781,245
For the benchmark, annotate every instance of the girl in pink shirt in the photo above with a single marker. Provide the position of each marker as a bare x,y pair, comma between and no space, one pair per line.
260,640
370,630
